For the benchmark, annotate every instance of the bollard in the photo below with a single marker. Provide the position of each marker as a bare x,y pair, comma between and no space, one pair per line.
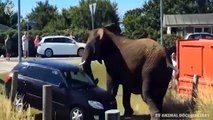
194,89
14,85
47,103
113,114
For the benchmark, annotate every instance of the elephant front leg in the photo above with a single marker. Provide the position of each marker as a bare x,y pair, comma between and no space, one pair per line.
112,86
126,102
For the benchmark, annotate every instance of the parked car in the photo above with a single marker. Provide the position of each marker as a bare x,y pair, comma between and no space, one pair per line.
60,45
198,35
74,94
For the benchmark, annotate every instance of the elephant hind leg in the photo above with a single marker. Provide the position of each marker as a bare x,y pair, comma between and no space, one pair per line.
151,97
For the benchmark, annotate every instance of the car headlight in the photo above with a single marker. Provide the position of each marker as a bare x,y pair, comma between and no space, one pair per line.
96,104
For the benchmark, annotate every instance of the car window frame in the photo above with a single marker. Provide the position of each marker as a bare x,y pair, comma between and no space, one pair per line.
73,79
45,67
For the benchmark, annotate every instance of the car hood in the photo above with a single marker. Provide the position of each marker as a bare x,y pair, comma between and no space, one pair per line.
101,95
81,44
98,93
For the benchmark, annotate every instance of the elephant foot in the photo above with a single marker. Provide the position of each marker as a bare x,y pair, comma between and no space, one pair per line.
128,112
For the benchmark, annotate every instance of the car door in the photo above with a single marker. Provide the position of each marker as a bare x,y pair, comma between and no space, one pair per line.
60,95
70,46
59,46
33,85
23,79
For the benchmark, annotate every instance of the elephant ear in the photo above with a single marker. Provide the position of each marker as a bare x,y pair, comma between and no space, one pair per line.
100,33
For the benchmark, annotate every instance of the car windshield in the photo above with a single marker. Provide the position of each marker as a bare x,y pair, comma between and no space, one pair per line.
78,79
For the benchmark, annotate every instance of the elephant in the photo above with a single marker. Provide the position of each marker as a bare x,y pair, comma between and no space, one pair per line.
141,66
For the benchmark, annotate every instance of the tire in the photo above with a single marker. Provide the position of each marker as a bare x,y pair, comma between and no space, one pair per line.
48,52
76,113
80,52
19,103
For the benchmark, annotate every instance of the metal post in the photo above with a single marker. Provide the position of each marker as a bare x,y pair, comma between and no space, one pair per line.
19,33
161,22
47,103
194,89
92,15
14,86
112,115
92,8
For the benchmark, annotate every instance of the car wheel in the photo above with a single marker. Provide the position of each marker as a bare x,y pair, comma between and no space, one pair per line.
19,103
76,113
80,52
48,52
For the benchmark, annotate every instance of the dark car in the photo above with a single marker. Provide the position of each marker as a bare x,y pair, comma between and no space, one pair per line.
74,94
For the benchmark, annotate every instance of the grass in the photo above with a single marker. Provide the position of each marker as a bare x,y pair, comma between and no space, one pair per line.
2,78
8,113
204,104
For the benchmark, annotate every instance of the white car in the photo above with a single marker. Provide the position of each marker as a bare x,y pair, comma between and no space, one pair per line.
59,45
198,35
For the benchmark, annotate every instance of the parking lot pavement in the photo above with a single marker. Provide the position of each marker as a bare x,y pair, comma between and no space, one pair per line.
6,66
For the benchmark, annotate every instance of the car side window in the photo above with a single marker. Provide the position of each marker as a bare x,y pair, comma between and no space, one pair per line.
195,36
44,74
35,72
207,36
78,76
58,40
48,40
54,76
67,40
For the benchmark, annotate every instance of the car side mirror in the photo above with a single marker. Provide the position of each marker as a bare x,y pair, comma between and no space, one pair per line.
96,81
62,85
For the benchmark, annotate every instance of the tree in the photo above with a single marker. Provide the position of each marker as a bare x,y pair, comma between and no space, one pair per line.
43,13
7,20
106,12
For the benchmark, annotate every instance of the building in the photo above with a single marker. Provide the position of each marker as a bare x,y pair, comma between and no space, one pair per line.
188,23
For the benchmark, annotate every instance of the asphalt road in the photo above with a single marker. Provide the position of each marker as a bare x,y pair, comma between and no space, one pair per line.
6,66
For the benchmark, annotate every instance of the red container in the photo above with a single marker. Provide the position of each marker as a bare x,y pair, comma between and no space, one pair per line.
194,57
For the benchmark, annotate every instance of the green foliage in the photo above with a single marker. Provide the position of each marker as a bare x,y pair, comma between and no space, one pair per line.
106,13
43,13
6,19
170,40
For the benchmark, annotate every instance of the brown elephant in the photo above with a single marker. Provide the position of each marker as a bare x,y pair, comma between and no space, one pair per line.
140,66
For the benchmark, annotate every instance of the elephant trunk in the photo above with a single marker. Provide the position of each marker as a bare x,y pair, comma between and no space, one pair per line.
86,62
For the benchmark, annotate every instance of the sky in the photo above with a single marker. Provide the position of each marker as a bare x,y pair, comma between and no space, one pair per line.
27,5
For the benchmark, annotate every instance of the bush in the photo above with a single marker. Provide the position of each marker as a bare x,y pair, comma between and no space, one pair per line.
170,40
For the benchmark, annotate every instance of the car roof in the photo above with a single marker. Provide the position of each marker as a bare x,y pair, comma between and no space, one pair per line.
62,66
55,36
199,33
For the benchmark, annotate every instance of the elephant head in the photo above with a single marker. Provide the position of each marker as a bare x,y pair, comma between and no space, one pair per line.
93,50
95,42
